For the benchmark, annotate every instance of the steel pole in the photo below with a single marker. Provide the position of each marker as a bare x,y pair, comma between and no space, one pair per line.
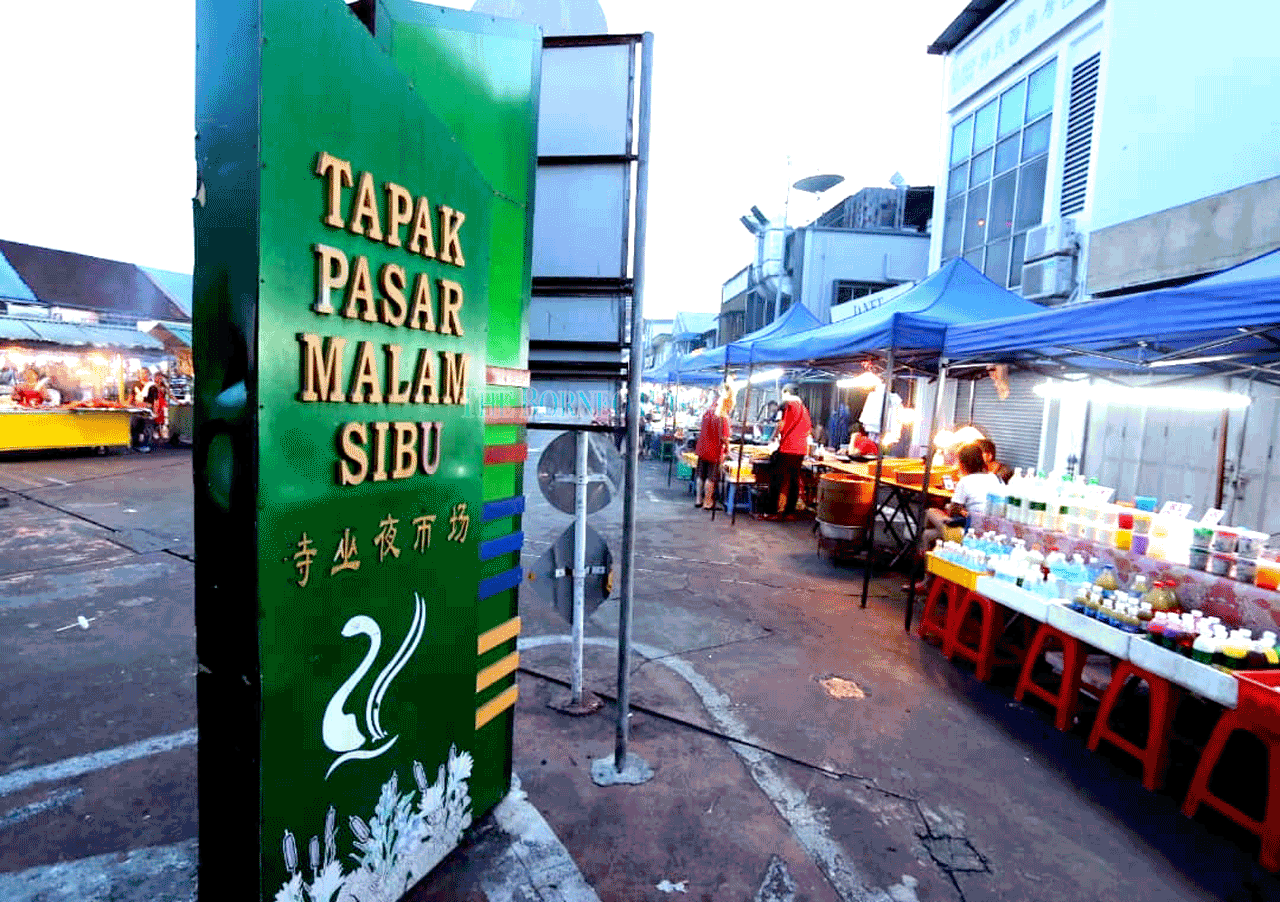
742,436
579,566
623,734
875,493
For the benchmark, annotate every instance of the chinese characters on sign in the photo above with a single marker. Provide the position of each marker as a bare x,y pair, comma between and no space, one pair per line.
1018,30
347,554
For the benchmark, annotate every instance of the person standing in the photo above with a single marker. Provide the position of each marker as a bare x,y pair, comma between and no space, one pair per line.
793,444
713,445
838,426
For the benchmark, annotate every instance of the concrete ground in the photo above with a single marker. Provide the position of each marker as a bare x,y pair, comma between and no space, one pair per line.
803,748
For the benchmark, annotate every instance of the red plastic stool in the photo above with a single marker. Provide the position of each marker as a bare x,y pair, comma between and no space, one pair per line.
932,623
990,622
1065,700
1164,700
1257,712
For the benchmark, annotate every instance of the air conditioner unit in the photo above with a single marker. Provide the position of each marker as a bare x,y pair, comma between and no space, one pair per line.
1053,277
1057,236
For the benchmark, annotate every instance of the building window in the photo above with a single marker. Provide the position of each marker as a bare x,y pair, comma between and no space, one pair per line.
843,290
995,188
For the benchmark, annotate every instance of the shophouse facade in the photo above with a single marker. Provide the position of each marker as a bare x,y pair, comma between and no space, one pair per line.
873,239
1100,148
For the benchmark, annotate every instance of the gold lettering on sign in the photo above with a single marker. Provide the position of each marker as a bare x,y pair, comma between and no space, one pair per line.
397,391
380,451
337,175
360,291
454,390
450,307
421,315
399,211
404,450
451,221
331,273
430,461
421,241
353,466
391,282
364,210
424,380
392,215
321,368
364,376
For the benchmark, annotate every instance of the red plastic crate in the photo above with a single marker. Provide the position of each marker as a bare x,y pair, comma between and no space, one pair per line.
1259,703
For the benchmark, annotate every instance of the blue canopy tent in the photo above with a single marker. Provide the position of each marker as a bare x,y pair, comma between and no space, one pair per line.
910,329
796,320
1225,324
670,372
913,325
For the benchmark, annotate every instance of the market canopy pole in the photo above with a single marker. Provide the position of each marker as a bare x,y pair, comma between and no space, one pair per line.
924,497
875,494
742,434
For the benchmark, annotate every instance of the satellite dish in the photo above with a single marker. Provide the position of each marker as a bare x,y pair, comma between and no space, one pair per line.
816,184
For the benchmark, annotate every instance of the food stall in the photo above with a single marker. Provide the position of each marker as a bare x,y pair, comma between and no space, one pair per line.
85,364
176,338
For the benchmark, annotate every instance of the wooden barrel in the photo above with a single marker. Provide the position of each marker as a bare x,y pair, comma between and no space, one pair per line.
845,499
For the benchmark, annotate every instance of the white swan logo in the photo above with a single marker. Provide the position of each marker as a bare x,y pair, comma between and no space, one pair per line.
340,730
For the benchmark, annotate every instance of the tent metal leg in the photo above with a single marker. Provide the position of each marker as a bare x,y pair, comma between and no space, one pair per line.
871,520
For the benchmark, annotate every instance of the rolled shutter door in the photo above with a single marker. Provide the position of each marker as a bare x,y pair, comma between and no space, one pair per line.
1013,424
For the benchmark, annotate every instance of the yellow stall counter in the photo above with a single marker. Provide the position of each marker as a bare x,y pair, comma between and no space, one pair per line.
31,430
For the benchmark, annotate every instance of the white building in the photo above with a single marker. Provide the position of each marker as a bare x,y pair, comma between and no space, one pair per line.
1153,125
1098,148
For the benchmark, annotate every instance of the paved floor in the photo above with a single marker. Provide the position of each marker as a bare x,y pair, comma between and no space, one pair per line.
803,748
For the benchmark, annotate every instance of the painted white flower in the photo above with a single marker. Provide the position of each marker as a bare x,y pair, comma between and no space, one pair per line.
396,846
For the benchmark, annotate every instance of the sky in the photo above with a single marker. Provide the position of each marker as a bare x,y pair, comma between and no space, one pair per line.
748,97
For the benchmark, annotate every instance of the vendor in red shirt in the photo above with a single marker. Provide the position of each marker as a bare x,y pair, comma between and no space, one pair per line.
861,443
713,444
793,445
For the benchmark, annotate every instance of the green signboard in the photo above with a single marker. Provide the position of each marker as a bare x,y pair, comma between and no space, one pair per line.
362,272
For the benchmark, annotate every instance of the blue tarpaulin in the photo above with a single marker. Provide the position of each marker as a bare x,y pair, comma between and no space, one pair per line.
916,320
795,320
1213,324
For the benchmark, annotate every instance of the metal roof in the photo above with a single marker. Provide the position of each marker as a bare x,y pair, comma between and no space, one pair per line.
12,288
971,17
66,279
172,331
75,335
177,285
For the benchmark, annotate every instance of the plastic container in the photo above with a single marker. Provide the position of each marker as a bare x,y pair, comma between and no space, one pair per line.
1249,543
1201,537
1110,515
1105,535
1246,569
1141,523
1145,502
1268,575
1221,562
1199,559
1224,539
1124,538
1140,544
1124,518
